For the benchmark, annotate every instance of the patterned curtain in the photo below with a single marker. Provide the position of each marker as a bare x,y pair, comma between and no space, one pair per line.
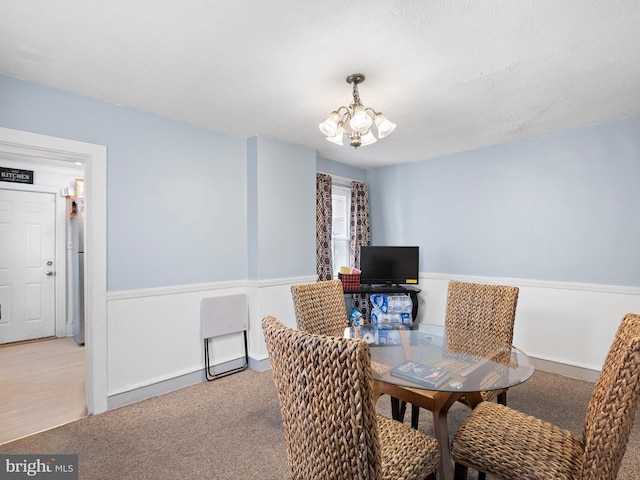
324,263
360,233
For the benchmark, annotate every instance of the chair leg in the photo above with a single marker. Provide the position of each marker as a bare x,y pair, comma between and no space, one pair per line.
502,398
482,476
432,476
460,472
403,410
415,416
395,408
398,409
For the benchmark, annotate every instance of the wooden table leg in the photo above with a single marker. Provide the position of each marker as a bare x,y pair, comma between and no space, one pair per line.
437,402
441,432
473,398
376,391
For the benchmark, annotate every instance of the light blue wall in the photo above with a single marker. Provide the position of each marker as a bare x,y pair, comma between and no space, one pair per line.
253,245
285,180
331,167
176,194
563,207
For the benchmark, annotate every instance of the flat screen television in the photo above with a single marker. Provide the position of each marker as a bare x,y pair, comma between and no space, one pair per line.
389,265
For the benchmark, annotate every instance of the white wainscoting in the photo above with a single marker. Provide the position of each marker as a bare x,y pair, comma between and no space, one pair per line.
155,344
566,327
154,335
272,297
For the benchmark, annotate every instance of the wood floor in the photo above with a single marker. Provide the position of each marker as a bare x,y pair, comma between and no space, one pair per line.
42,385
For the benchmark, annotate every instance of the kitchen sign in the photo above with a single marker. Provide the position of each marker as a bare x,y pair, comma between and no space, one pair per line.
16,176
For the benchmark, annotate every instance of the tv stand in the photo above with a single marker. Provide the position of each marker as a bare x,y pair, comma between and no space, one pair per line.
384,287
390,288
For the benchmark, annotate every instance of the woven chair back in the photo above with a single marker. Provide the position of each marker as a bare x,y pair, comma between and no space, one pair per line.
320,307
480,318
613,405
325,392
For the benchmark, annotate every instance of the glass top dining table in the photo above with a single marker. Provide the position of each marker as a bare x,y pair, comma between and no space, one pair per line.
404,363
464,368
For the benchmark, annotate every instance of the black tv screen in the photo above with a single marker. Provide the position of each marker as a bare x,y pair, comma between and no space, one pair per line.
389,265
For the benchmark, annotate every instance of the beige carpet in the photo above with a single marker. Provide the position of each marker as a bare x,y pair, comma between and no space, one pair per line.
230,429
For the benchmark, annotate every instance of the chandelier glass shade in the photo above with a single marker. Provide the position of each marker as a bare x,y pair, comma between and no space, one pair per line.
355,121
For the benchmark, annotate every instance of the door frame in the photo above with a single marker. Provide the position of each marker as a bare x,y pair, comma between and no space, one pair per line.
94,158
60,254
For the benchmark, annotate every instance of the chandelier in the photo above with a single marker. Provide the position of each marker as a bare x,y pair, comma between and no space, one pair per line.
355,121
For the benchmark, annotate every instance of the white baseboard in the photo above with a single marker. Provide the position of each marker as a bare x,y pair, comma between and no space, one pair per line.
260,365
149,391
566,370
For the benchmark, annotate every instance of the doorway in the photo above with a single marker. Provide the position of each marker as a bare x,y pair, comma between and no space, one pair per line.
37,297
94,158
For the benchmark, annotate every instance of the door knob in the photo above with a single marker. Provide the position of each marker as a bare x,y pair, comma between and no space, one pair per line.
50,273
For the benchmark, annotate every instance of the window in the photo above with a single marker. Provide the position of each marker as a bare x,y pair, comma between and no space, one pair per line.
340,231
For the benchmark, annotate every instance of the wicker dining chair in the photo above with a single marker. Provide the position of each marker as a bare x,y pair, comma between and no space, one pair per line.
320,307
511,445
331,428
479,320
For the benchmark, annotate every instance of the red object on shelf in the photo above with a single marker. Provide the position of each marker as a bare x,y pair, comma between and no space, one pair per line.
350,281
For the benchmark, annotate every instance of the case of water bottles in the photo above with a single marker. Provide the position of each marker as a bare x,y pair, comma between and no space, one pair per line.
391,310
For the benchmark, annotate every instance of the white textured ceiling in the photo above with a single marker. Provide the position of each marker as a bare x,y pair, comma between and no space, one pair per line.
454,75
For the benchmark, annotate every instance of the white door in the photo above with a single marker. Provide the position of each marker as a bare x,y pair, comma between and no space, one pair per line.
27,246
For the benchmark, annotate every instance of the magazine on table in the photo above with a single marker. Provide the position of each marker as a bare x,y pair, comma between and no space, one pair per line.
421,374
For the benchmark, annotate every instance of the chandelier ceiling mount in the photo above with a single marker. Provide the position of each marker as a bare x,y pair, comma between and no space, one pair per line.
355,121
